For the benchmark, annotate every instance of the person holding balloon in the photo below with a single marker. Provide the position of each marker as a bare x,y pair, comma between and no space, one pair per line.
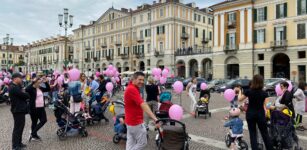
191,92
255,114
74,89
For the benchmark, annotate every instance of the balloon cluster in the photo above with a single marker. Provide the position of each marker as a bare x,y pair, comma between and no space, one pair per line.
6,76
111,72
279,91
178,87
160,75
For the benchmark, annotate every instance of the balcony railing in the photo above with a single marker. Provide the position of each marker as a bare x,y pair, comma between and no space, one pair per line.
118,43
279,45
231,48
104,45
139,55
109,57
55,61
86,59
205,40
159,53
96,59
232,24
87,48
193,51
124,56
184,36
140,39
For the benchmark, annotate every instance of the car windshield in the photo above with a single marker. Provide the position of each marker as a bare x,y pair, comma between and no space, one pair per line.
213,82
231,82
268,81
273,83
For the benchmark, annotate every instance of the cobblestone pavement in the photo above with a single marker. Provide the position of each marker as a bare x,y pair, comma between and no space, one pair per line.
205,133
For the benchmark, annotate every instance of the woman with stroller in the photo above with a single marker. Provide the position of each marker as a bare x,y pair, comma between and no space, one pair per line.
152,96
74,89
37,105
191,92
255,114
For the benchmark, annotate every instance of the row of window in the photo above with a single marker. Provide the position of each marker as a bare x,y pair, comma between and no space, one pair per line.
300,55
4,62
198,18
3,55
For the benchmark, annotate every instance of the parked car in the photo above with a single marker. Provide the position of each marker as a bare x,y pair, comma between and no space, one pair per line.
270,80
270,87
213,84
199,81
232,83
170,81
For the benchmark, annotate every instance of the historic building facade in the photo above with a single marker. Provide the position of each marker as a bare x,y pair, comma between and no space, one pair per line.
161,35
261,36
12,56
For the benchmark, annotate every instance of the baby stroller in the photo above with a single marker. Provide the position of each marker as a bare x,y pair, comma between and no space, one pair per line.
165,99
202,107
98,108
118,109
282,130
172,135
4,96
69,124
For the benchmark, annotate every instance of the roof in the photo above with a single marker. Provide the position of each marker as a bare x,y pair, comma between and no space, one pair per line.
228,3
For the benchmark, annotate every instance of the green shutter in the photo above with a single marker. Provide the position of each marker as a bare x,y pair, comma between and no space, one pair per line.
227,39
285,32
163,29
255,36
264,35
285,9
265,13
255,15
277,11
145,32
306,5
158,30
299,7
274,33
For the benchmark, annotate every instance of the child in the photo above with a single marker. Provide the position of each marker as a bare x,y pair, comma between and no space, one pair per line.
119,125
234,102
235,124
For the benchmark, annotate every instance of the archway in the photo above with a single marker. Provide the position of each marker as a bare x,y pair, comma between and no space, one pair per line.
119,67
126,66
160,64
232,68
142,66
281,66
193,68
207,69
180,68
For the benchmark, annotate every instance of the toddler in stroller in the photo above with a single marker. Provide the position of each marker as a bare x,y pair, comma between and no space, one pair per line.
202,106
165,100
282,130
4,95
69,124
98,108
117,108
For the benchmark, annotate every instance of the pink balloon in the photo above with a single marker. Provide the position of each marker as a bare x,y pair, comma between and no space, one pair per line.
109,87
157,77
165,73
178,87
117,79
110,67
60,80
162,80
176,112
159,71
97,74
154,71
116,74
229,95
290,86
203,86
113,80
172,75
6,80
104,72
167,69
74,74
278,90
1,83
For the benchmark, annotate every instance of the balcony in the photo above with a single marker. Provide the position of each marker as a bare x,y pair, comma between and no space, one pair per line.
279,45
86,59
71,51
55,61
184,36
232,24
109,57
124,56
139,55
104,45
76,60
205,41
49,61
159,53
118,43
96,59
231,49
193,51
140,39
87,48
56,50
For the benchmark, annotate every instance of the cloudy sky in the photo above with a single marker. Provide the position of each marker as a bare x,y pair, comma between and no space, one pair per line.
30,20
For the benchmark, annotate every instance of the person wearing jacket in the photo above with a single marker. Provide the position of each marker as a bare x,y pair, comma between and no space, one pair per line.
236,125
37,105
19,109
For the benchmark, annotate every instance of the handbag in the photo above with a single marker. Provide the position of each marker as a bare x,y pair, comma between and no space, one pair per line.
77,98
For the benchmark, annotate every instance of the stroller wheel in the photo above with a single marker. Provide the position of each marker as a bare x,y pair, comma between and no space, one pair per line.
61,134
227,140
243,145
116,139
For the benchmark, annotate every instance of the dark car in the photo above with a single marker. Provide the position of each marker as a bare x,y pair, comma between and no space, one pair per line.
214,84
170,81
270,87
232,83
199,81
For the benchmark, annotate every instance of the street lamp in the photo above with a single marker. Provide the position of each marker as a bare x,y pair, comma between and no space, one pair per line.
65,21
7,41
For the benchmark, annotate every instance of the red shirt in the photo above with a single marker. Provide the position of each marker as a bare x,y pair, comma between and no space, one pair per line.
133,110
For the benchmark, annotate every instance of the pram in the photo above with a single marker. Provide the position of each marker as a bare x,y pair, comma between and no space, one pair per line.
69,124
165,99
4,96
119,128
98,108
172,135
282,131
202,107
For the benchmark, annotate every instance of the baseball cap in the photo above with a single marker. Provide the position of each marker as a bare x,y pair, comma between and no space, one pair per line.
16,75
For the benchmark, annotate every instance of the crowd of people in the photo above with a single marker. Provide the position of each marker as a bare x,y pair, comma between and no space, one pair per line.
28,95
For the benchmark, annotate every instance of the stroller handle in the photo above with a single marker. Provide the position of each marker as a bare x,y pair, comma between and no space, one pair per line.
170,120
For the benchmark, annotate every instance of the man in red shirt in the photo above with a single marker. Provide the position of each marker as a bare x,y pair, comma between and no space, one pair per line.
134,107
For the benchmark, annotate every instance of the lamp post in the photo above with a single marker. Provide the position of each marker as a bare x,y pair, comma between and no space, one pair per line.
7,41
65,21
